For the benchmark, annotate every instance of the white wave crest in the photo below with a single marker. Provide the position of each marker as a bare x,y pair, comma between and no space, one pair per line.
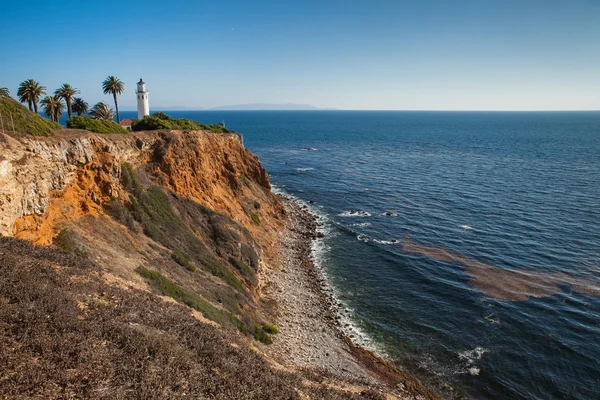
304,169
355,213
470,356
393,241
362,238
466,227
361,224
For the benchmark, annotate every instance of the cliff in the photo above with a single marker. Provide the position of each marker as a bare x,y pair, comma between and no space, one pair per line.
143,274
193,208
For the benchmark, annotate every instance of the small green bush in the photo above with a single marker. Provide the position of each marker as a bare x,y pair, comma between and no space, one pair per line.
261,335
255,219
182,260
272,329
95,125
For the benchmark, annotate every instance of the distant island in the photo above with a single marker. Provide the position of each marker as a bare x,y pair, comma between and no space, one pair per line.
270,107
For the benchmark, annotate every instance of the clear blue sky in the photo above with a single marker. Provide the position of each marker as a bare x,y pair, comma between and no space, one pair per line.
370,54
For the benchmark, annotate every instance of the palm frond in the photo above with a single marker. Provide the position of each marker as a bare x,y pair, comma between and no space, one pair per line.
102,111
66,91
79,106
113,85
53,107
30,91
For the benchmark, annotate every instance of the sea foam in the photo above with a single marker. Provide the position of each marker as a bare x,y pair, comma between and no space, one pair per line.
355,213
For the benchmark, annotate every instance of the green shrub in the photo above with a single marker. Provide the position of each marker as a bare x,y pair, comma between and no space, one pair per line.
255,219
220,271
15,115
160,120
272,329
182,260
261,335
95,125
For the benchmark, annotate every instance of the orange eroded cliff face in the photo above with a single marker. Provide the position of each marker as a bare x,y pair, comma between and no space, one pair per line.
219,173
76,174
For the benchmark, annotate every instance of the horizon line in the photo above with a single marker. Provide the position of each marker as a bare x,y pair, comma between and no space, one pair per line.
382,109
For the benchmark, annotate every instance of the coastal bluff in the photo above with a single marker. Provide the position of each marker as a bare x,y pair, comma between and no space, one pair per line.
137,265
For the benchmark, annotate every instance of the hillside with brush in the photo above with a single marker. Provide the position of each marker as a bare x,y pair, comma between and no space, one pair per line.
17,119
67,332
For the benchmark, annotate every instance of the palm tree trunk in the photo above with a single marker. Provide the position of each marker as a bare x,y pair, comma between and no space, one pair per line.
35,106
69,107
117,108
30,105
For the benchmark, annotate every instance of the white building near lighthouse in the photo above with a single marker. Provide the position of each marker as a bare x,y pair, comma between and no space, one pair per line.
142,99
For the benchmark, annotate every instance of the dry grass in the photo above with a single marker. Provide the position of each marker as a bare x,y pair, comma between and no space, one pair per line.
65,333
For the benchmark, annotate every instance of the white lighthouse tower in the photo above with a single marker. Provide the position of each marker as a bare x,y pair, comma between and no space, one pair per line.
142,99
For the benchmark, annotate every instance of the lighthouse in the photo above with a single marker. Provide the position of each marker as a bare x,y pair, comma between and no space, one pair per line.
142,99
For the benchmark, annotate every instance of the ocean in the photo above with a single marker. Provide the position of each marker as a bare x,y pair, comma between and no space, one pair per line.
463,246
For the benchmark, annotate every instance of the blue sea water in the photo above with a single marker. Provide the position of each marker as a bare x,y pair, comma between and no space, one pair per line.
496,191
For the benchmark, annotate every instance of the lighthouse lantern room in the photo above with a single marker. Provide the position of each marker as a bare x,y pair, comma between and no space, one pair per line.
142,99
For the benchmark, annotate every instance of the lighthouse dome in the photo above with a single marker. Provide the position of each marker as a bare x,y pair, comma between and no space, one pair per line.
141,86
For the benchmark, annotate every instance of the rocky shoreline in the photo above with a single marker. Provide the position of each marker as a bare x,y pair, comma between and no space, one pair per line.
311,335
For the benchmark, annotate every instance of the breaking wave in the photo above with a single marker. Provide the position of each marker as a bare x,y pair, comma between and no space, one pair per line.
355,213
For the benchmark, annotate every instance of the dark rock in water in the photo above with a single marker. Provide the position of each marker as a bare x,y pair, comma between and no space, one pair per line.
311,202
320,235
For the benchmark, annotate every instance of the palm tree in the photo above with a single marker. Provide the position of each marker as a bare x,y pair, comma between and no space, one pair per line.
79,106
4,92
30,91
53,107
67,92
114,86
102,111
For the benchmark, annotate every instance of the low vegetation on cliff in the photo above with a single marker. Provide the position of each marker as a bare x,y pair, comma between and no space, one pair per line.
161,120
202,242
15,117
66,333
95,125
